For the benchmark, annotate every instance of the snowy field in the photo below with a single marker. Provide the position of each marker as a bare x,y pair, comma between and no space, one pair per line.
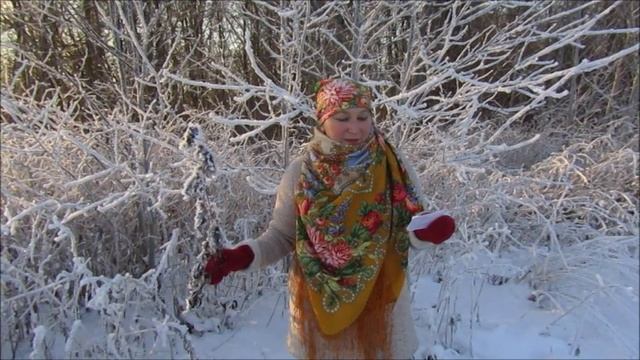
502,320
509,326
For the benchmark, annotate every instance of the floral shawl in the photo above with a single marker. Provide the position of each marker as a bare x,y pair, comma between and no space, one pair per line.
353,204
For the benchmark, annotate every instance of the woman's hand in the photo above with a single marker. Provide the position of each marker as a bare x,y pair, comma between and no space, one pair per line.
228,260
436,230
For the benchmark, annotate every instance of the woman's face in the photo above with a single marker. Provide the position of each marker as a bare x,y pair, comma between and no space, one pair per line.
351,126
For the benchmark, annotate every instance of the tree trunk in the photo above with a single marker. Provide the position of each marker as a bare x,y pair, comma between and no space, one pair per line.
357,41
93,67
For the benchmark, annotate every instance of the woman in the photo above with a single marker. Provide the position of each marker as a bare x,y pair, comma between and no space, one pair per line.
342,208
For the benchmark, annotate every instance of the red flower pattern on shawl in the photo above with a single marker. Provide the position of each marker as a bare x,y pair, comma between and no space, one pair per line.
304,206
399,193
372,221
335,255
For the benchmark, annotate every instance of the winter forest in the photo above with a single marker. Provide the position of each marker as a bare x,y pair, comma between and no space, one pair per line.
139,135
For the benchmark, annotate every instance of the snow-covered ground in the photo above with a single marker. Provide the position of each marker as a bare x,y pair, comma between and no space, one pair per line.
510,327
484,318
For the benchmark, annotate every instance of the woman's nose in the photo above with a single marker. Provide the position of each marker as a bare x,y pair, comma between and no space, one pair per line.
352,127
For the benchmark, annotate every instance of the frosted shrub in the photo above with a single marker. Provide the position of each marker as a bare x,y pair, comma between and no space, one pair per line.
567,225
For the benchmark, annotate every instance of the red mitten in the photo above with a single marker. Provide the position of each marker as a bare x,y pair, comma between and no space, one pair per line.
228,260
435,228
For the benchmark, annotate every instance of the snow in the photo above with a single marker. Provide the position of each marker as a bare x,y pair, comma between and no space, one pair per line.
490,322
39,347
261,333
510,327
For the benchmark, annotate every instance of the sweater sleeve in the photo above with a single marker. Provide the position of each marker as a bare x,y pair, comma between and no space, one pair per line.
413,240
278,240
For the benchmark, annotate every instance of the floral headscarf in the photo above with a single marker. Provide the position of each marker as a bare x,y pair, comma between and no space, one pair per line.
334,95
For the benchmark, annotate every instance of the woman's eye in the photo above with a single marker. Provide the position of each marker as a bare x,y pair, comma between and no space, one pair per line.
342,119
363,118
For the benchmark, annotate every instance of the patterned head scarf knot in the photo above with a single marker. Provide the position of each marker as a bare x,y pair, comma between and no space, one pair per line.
335,95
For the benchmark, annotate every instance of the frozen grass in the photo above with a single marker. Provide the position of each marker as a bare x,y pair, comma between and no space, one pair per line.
562,234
